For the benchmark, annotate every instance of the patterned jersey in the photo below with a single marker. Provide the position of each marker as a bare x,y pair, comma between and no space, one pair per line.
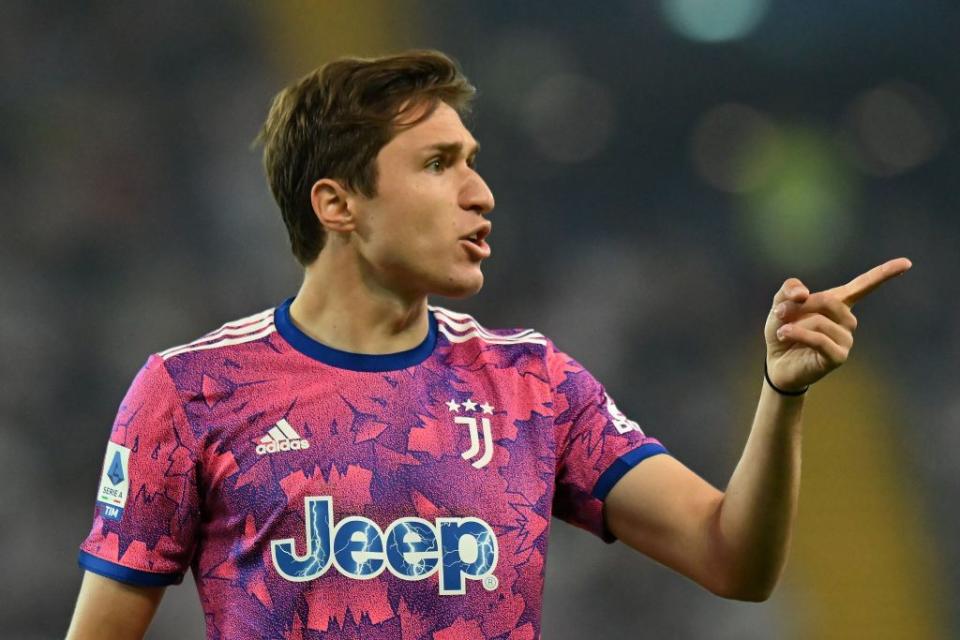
319,493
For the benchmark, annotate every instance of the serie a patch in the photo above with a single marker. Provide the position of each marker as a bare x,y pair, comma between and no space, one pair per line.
114,482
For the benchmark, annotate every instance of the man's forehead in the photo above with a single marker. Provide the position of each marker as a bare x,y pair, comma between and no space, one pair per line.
442,128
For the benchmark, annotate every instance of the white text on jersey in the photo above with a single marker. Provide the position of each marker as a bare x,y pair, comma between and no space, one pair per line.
411,549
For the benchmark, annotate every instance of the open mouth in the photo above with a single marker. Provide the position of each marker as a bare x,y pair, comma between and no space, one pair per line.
477,237
476,242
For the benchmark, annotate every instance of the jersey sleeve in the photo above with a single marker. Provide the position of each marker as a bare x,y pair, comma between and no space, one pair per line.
596,444
147,506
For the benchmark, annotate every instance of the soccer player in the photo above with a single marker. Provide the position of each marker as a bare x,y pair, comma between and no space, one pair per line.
357,463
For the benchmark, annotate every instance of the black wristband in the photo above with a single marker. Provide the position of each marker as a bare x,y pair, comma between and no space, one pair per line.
782,392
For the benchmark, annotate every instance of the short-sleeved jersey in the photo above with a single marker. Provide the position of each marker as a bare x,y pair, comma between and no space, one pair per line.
319,493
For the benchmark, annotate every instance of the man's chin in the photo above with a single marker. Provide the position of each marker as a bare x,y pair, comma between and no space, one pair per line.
460,288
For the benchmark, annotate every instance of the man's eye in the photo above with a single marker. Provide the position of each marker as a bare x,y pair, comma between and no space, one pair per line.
435,165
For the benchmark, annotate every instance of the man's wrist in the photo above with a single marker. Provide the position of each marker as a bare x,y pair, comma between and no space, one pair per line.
783,392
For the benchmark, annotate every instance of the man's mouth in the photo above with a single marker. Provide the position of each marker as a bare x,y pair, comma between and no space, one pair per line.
478,235
476,243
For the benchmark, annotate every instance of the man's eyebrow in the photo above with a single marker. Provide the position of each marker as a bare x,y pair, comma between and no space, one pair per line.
452,148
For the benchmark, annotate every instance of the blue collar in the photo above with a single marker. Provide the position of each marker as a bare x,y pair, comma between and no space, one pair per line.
346,359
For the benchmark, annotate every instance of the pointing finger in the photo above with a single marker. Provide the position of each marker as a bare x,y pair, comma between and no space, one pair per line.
856,289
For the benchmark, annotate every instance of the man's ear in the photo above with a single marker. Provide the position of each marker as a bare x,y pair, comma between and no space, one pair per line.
331,203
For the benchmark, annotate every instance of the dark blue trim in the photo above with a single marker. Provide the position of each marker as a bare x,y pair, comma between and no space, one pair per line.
346,359
623,464
126,574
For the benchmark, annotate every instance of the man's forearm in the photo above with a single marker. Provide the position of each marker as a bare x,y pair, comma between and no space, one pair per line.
755,517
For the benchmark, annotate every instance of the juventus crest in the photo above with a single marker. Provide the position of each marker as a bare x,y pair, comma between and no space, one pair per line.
481,449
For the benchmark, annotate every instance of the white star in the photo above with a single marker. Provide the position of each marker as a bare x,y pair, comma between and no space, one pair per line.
470,405
487,408
453,406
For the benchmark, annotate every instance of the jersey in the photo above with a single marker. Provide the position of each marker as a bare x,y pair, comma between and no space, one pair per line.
315,492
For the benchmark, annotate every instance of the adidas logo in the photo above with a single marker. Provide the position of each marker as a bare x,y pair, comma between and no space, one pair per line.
282,437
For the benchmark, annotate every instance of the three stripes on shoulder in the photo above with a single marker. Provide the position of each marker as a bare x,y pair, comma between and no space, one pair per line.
254,327
460,327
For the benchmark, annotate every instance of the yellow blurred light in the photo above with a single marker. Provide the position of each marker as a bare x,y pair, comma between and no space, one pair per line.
303,34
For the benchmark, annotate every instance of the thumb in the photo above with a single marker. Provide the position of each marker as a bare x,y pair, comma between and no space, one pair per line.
793,290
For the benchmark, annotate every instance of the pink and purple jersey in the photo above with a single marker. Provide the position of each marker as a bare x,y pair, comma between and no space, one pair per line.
319,493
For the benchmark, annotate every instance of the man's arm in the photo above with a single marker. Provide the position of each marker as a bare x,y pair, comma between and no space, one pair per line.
735,543
107,608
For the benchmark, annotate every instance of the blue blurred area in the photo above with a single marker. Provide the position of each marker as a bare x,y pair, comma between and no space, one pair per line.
137,217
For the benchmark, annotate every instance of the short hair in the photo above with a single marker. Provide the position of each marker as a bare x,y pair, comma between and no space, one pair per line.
332,123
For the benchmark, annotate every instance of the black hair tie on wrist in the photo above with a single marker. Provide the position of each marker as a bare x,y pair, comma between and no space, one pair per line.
782,392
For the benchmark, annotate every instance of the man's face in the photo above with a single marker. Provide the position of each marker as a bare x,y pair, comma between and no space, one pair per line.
423,233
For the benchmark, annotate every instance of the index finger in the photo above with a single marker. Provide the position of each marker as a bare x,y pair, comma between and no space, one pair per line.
856,289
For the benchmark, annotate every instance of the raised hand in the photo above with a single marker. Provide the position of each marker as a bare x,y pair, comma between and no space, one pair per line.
810,335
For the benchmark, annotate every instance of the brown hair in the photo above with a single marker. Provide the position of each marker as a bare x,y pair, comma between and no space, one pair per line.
332,123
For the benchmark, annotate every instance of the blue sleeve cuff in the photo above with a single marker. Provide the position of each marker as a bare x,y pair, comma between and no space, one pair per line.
623,464
125,574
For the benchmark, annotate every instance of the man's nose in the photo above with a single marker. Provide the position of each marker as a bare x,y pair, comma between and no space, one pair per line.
476,195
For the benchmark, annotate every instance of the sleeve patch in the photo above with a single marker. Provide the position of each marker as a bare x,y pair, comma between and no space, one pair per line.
114,482
622,423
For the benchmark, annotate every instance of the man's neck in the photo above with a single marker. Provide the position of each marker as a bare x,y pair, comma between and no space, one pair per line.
341,309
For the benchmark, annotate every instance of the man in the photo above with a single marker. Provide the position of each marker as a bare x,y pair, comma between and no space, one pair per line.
356,463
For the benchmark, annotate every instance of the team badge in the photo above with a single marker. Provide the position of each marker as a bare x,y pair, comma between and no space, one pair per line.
478,422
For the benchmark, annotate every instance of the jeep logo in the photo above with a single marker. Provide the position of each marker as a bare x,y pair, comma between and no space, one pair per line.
411,549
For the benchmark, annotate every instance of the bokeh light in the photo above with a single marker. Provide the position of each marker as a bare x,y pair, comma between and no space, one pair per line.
801,216
735,147
793,188
713,21
895,128
569,117
518,59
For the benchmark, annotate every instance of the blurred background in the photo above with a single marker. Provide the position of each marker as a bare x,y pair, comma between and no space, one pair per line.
660,168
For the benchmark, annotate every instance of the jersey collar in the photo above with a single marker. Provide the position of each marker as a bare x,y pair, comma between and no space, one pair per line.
346,359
